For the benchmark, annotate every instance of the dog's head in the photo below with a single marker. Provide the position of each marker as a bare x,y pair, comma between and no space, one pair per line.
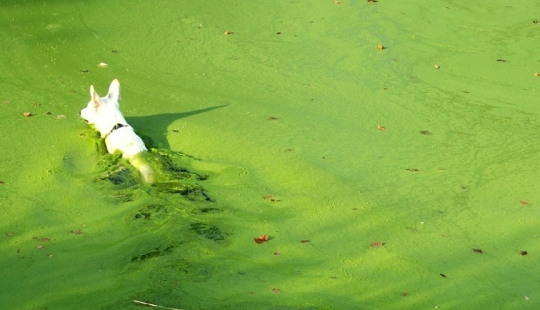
104,112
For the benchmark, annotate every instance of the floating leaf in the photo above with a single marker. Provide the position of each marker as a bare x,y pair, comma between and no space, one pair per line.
261,239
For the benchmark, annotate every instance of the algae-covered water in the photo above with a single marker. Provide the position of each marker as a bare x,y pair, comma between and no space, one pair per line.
399,176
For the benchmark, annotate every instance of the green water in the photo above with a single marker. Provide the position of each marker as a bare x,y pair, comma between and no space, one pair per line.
287,105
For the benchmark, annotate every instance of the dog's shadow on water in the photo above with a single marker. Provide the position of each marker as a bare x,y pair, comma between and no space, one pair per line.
160,122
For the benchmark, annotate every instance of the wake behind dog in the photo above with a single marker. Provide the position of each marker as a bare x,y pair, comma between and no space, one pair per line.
104,113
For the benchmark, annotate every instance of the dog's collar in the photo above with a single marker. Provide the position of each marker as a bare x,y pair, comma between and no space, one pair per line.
115,127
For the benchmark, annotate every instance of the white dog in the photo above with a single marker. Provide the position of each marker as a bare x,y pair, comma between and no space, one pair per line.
104,113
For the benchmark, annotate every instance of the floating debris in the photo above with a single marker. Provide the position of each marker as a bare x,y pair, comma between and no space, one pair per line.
261,239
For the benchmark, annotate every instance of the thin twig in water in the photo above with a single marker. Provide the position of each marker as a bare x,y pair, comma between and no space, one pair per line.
152,305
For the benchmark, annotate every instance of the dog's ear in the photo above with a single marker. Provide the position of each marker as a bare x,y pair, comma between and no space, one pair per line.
94,97
114,91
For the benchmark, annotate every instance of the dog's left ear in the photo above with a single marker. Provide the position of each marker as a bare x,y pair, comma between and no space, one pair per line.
94,98
114,91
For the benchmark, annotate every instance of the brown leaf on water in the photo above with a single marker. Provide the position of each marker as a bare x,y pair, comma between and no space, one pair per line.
271,197
261,239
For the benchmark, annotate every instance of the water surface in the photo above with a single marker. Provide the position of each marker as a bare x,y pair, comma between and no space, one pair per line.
308,132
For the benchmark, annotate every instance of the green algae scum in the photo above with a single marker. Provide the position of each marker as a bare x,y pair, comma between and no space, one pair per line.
312,155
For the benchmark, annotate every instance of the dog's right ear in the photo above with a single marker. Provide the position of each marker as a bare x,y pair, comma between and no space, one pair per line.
94,97
114,91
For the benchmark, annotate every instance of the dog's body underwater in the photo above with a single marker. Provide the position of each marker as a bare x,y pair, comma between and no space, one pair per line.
104,113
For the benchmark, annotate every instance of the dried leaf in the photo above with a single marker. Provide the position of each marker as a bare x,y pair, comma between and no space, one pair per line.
261,239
